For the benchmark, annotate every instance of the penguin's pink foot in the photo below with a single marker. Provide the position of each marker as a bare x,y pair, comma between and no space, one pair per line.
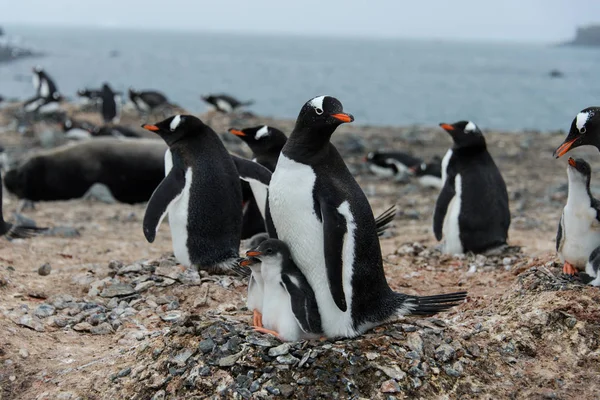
268,331
257,320
569,269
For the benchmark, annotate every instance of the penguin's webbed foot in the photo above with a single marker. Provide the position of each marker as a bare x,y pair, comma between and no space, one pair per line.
257,320
269,332
569,269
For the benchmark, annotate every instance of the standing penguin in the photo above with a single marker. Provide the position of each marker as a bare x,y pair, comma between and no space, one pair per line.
110,105
471,212
289,306
579,229
585,130
321,213
201,193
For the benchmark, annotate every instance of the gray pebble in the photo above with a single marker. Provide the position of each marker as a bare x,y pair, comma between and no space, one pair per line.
117,289
444,353
206,345
103,329
45,269
279,350
255,386
273,390
229,360
124,372
287,359
44,310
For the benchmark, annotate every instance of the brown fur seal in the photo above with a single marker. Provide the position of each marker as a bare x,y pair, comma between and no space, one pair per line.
130,168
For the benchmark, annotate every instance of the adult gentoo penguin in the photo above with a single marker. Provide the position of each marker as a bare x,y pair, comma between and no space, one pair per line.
225,103
322,214
147,101
579,229
585,130
47,96
429,174
398,165
471,212
289,306
200,192
13,231
110,105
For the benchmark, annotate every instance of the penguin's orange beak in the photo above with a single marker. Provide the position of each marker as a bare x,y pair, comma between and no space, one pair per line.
447,127
152,128
237,132
343,117
566,146
253,253
247,262
571,161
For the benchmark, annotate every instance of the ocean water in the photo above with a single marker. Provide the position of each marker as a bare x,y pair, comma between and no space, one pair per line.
380,81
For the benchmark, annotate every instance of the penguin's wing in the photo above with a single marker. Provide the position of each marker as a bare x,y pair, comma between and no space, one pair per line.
596,206
250,171
304,303
334,233
560,240
441,206
167,192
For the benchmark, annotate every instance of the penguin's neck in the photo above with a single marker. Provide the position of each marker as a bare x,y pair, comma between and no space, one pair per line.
579,191
306,145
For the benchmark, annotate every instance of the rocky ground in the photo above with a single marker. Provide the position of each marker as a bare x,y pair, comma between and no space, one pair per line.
93,311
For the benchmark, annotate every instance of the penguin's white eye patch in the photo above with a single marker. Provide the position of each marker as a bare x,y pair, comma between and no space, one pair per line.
175,122
318,110
470,127
264,131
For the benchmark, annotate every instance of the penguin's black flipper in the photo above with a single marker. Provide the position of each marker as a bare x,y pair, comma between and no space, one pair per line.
384,219
334,232
441,207
559,233
251,171
168,191
596,206
304,303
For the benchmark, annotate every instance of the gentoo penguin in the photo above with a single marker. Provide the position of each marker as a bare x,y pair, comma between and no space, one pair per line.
471,212
200,192
13,231
321,213
289,306
43,84
110,105
429,174
392,164
118,131
147,101
585,130
77,130
225,103
592,267
90,94
579,229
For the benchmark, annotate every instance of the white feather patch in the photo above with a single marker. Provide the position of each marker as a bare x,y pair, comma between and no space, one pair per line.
470,127
261,132
317,102
451,228
175,122
581,119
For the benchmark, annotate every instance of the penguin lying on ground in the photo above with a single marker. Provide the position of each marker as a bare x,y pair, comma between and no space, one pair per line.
592,267
398,165
585,130
13,231
202,195
77,130
148,101
429,174
471,212
225,103
579,228
289,307
321,213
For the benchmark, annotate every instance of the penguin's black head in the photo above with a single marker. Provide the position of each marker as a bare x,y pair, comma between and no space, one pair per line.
176,128
106,87
322,113
585,130
579,168
37,69
464,134
67,124
261,138
270,249
378,159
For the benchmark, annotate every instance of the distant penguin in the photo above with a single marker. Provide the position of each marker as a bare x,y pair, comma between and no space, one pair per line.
76,130
118,131
43,84
43,105
225,103
13,231
471,212
200,192
90,94
289,305
592,267
579,229
585,130
321,213
147,101
395,165
110,105
429,174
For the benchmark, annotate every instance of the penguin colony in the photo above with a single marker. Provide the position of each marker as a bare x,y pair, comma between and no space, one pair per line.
315,265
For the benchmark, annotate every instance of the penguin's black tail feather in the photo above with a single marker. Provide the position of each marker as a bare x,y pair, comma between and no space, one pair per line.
384,219
246,103
24,232
428,305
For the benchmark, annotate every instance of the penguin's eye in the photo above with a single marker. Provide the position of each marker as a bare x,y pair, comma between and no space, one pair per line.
318,110
582,130
269,251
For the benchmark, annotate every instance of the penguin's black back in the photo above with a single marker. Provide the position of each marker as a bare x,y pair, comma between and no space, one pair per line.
214,211
109,105
484,216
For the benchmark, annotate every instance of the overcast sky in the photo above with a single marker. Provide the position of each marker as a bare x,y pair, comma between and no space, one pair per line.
520,20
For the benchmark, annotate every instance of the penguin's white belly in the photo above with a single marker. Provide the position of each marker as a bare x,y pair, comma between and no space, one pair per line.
77,134
142,104
260,193
278,315
224,106
451,229
581,234
381,171
292,210
430,181
255,292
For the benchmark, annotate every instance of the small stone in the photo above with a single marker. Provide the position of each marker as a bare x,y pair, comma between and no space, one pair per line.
130,269
415,383
175,317
304,359
279,350
451,371
82,327
103,329
261,340
304,381
229,360
206,345
160,395
124,372
286,390
371,356
287,359
273,390
444,353
143,286
392,371
390,386
96,319
181,357
60,322
254,386
413,355
415,342
117,289
571,322
408,328
32,323
45,269
473,348
506,261
44,311
416,371
24,353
